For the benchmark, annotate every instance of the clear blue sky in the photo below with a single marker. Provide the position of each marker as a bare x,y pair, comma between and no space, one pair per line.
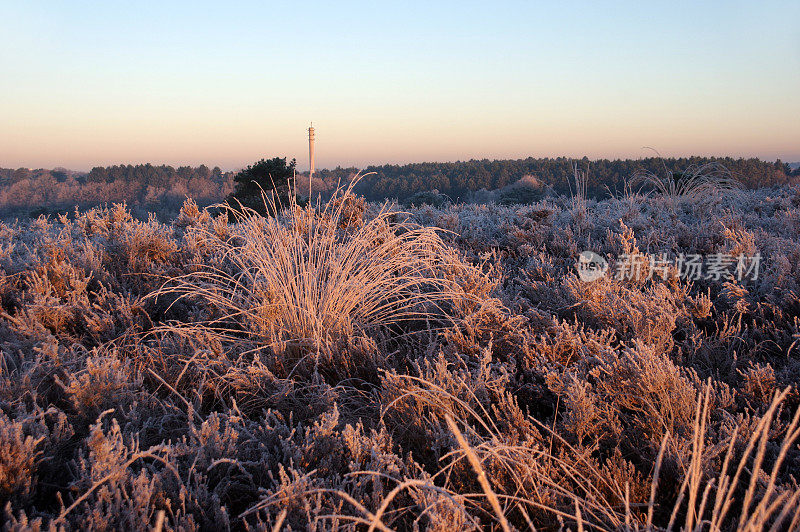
91,83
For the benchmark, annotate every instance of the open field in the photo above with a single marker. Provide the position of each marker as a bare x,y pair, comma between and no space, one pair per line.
353,366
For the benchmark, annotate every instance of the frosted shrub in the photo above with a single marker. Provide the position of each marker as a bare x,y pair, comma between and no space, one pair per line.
19,456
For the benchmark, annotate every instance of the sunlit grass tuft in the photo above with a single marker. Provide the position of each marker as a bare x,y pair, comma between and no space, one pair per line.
315,274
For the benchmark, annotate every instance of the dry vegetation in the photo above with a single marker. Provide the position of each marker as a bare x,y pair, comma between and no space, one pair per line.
349,366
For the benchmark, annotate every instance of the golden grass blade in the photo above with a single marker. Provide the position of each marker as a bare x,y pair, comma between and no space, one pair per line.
482,480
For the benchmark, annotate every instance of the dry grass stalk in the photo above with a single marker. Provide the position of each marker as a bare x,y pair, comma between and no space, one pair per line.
482,480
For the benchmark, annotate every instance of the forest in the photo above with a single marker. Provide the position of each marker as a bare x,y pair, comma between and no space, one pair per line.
459,180
145,188
162,189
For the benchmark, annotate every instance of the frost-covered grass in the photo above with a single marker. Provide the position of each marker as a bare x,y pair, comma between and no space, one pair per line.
694,182
353,367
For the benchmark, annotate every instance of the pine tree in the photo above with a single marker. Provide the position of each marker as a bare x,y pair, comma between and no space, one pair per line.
273,177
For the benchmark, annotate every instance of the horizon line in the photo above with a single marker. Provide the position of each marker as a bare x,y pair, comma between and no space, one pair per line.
362,167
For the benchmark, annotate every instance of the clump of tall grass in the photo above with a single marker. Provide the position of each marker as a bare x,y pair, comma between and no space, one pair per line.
311,276
693,182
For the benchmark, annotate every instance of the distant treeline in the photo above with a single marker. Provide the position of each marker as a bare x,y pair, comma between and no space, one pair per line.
144,187
460,180
162,189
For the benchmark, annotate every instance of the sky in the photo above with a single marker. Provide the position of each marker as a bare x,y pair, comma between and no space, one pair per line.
86,84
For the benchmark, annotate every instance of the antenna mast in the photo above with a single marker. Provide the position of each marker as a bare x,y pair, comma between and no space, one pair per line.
310,157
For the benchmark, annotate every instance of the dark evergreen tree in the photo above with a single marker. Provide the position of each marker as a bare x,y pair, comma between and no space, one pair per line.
273,177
